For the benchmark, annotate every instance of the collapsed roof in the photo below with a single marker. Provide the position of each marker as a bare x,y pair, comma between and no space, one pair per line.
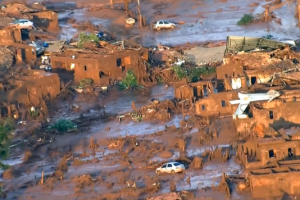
235,44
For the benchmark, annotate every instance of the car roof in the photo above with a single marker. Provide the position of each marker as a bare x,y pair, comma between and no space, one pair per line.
171,163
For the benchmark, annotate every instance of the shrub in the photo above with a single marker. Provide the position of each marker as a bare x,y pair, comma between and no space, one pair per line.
245,20
6,128
129,82
64,125
193,74
85,37
180,71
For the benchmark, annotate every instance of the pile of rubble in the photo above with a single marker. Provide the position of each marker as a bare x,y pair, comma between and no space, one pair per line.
6,58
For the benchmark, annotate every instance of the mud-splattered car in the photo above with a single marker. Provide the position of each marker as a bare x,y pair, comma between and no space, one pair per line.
163,25
171,167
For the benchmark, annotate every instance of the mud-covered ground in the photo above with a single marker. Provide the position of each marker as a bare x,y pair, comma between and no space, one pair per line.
204,20
121,152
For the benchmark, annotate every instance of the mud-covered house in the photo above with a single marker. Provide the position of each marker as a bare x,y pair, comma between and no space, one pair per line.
282,112
197,90
102,68
268,152
215,104
20,92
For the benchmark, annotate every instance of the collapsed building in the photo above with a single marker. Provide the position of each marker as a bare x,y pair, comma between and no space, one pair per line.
100,65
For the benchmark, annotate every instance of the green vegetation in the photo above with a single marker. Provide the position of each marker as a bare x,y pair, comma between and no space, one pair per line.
245,20
180,71
35,113
63,125
6,128
129,82
193,74
86,82
85,37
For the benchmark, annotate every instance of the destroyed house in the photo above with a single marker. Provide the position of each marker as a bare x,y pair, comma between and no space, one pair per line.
282,112
44,19
10,35
268,152
103,68
215,104
275,182
27,90
195,91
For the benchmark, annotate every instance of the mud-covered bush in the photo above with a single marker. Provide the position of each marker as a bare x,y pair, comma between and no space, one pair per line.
85,37
129,81
63,125
86,82
245,20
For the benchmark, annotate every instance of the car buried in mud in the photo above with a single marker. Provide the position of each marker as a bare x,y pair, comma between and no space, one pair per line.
170,167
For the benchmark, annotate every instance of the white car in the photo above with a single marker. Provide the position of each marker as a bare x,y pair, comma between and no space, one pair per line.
171,167
22,23
163,24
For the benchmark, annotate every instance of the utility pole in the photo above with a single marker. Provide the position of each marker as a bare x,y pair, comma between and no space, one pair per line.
298,9
111,4
140,15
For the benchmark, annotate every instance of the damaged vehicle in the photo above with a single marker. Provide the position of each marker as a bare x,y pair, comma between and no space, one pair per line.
39,48
170,167
22,23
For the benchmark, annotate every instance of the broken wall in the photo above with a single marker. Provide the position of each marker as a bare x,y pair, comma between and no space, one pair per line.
45,19
30,90
230,69
184,92
10,35
216,103
275,114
